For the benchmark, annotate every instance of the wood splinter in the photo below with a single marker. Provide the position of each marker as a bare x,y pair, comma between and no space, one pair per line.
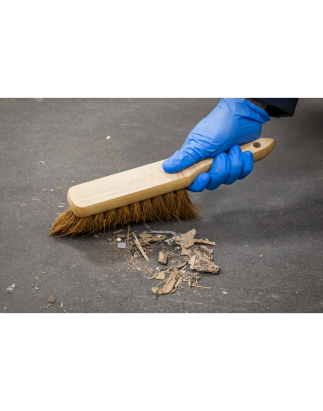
140,248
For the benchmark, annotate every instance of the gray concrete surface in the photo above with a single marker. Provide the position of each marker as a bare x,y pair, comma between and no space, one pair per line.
275,212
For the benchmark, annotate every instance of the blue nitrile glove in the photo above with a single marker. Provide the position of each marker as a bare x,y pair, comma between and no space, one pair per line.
234,121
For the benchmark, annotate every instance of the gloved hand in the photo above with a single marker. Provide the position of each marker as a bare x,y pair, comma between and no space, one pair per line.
234,121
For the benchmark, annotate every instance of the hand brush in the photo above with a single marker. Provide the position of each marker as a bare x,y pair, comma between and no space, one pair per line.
145,193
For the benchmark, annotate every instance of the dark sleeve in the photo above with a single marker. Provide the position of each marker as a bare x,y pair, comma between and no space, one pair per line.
280,107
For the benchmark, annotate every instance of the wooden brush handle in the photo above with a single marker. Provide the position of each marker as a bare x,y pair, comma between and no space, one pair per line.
144,182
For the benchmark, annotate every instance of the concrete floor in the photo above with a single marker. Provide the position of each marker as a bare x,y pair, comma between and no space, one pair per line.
276,212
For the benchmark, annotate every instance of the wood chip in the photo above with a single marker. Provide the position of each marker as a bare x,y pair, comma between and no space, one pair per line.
184,239
162,258
47,306
200,258
42,162
170,282
9,289
160,275
62,305
51,299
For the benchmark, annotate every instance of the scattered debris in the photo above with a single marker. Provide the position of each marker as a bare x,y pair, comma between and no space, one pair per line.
9,290
36,288
35,199
108,137
51,299
42,162
13,285
5,309
51,190
62,306
162,258
261,255
45,189
196,257
47,306
224,292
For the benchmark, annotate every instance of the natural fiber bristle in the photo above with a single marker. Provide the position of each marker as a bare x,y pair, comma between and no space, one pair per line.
171,206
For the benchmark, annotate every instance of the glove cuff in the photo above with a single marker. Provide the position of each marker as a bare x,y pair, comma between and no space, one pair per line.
262,115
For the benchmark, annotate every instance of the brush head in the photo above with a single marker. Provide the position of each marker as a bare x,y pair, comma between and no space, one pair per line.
171,206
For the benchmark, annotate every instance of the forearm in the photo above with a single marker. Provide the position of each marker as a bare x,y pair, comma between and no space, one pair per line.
276,107
257,103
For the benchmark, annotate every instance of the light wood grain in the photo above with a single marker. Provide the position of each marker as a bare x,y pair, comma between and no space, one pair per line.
144,182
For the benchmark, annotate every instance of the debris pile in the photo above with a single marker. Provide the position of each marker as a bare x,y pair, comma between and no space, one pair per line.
199,258
195,254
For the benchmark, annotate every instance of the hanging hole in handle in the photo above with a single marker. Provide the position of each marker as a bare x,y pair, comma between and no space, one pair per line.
256,144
